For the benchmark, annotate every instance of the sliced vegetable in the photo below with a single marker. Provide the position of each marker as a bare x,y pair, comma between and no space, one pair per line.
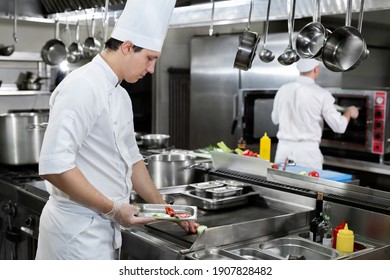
170,211
314,174
200,229
223,147
304,173
239,151
274,166
250,153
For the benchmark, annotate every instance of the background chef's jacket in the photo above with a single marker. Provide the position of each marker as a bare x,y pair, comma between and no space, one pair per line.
300,108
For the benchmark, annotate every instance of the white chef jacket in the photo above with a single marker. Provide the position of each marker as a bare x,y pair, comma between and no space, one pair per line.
300,109
91,127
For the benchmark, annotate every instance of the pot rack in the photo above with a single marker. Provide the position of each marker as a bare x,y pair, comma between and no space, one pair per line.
196,13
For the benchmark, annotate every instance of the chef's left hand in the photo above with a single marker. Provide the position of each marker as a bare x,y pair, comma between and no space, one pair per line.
189,226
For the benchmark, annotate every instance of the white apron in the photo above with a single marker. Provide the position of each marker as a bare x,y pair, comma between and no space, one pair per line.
77,230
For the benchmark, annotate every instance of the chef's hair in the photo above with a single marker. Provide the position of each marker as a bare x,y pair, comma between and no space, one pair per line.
113,44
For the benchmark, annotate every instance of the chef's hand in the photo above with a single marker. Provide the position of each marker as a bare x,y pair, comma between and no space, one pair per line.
189,226
126,215
353,112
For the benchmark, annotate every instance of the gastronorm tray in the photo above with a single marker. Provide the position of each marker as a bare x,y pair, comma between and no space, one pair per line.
231,183
158,212
225,191
207,185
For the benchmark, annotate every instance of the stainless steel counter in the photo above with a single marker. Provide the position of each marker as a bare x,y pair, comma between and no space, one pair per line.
365,166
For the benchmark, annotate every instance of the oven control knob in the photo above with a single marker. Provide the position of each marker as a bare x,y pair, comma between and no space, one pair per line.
30,221
378,114
379,100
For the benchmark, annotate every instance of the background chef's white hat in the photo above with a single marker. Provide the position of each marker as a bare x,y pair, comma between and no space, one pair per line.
145,23
306,65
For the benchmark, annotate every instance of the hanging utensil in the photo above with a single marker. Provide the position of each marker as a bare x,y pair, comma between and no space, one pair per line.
91,45
247,47
312,37
15,21
54,51
265,54
346,48
289,56
75,50
211,29
105,21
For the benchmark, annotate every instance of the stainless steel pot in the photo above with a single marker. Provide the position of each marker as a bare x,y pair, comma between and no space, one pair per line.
346,48
155,141
171,169
21,137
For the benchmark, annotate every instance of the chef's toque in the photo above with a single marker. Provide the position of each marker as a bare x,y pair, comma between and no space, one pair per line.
306,65
145,23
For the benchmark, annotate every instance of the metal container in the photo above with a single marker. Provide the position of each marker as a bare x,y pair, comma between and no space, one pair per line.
21,137
155,141
169,169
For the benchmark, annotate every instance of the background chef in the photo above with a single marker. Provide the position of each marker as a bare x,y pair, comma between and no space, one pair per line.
89,158
300,109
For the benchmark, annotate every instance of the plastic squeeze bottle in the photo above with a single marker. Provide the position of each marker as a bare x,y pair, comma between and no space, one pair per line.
265,147
345,240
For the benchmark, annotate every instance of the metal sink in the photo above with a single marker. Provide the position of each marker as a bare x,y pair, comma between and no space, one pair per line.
253,254
213,254
298,248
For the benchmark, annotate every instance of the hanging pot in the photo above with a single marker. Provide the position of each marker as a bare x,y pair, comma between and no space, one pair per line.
91,45
54,51
75,50
312,37
247,47
346,48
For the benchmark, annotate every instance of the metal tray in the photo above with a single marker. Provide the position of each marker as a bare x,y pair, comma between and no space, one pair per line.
207,185
225,191
231,183
158,212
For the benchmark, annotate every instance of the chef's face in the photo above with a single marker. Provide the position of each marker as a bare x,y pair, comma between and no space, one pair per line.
139,63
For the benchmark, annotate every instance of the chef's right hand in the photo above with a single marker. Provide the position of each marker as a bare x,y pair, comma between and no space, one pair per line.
126,215
353,112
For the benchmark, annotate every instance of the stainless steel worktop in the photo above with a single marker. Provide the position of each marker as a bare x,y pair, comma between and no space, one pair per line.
361,165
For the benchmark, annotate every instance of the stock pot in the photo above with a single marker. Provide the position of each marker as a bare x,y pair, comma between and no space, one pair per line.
171,169
21,137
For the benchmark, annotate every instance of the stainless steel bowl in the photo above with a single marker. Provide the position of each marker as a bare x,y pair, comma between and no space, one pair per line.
155,141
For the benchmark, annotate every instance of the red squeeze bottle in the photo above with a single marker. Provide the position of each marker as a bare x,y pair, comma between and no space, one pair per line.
335,231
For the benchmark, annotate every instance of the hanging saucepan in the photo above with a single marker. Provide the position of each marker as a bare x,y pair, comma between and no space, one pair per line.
7,50
75,50
247,47
312,37
91,45
345,48
54,51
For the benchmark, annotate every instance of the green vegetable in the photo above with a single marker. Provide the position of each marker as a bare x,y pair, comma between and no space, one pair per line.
239,151
210,148
200,229
223,147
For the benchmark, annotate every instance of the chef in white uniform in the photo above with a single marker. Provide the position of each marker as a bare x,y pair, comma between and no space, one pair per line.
300,108
89,157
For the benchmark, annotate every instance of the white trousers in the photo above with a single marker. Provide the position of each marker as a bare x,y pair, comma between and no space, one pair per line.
305,154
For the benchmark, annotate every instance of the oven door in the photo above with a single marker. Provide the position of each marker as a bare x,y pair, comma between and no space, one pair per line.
255,110
357,136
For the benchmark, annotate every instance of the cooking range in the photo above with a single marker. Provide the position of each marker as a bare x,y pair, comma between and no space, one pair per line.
22,197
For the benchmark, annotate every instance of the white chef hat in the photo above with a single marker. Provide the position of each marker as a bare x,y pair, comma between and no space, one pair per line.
145,23
306,65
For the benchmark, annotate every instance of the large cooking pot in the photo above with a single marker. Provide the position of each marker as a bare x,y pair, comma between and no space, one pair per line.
155,141
21,137
171,169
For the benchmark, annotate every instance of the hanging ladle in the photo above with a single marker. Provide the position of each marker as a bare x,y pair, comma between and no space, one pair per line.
289,56
265,54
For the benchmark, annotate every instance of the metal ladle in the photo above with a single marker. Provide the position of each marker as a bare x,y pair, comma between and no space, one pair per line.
265,54
289,56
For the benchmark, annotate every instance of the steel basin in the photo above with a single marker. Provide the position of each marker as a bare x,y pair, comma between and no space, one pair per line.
291,247
253,254
213,254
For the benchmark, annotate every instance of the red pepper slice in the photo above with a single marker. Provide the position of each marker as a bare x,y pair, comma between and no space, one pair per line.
170,211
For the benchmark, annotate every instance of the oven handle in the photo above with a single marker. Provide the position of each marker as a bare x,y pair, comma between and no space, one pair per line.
235,114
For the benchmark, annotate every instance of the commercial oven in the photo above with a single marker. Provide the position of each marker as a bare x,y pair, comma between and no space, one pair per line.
366,137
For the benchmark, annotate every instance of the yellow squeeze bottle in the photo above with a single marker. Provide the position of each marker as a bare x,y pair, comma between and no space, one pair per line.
265,147
345,240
